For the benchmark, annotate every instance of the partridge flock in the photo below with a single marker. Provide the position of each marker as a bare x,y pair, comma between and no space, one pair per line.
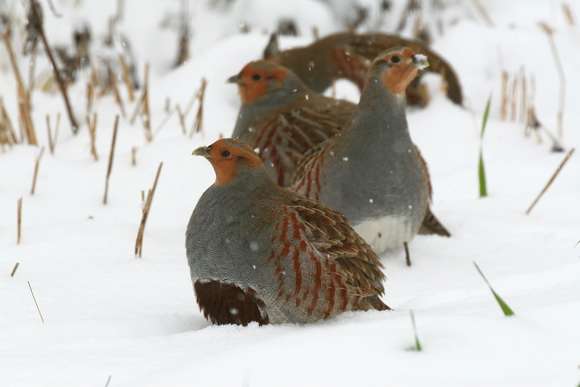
310,189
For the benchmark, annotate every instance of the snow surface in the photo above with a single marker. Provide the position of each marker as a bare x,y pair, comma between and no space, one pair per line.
135,320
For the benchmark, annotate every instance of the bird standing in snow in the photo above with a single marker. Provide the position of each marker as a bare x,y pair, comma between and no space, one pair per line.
349,56
259,253
283,120
372,172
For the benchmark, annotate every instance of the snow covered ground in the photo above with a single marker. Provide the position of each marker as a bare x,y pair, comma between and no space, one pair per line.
135,320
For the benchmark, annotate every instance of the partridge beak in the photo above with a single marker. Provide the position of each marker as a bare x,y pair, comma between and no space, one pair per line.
234,79
420,61
201,151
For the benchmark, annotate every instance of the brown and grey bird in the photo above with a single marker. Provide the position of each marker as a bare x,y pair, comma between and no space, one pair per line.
372,172
283,120
260,253
349,55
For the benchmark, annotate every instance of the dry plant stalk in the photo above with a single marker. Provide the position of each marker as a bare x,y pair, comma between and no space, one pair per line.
13,272
138,109
562,96
7,133
111,160
198,123
146,110
92,125
116,93
134,156
551,180
483,12
36,169
61,85
568,14
523,95
504,95
23,101
145,214
52,136
90,93
181,119
35,302
18,221
514,98
127,78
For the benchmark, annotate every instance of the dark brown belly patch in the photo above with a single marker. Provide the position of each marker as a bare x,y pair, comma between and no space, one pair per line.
223,303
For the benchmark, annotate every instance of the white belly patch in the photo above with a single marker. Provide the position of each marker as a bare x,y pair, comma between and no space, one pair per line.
386,233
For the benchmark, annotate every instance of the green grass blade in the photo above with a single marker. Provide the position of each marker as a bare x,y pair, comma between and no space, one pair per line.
418,347
505,308
485,116
481,176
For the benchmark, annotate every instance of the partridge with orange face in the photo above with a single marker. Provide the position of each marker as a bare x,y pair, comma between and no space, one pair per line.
372,172
259,253
283,120
349,56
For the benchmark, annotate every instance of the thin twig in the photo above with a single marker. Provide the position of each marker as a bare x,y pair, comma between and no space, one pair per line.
483,12
36,168
92,124
146,109
18,221
198,123
418,347
116,93
181,119
551,180
145,214
127,78
23,102
560,68
35,302
568,14
134,156
111,159
57,75
13,272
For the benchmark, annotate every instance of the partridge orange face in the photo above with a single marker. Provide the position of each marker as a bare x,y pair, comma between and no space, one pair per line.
403,65
257,78
228,156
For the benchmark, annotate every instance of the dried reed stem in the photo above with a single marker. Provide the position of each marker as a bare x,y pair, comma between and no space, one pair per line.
134,156
18,221
146,110
116,93
23,101
504,95
551,180
35,302
40,28
111,160
92,125
514,98
36,169
181,119
145,214
198,123
52,136
562,96
483,12
7,122
13,272
568,14
127,78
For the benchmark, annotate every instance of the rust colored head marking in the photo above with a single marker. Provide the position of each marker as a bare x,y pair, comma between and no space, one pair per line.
257,78
227,156
403,65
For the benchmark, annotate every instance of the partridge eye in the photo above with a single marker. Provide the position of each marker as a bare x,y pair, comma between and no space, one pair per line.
256,77
395,59
226,153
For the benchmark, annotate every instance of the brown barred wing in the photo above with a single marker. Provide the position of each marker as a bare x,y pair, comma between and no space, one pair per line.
284,140
322,266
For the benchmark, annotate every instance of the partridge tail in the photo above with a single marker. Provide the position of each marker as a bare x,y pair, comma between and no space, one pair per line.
374,303
432,226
